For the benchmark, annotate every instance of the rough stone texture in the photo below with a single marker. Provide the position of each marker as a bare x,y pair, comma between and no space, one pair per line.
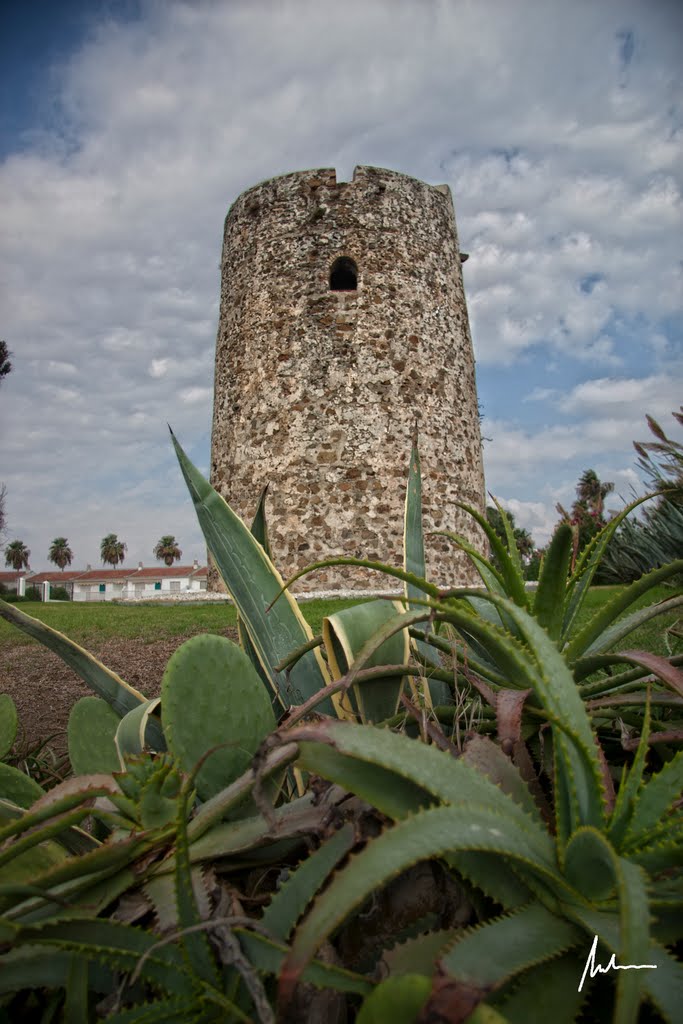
317,391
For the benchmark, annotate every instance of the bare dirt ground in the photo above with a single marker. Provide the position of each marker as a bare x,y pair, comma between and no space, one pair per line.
44,689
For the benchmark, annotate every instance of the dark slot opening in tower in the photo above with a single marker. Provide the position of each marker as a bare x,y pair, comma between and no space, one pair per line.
344,275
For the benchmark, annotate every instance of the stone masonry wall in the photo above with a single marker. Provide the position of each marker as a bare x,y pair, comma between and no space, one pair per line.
317,391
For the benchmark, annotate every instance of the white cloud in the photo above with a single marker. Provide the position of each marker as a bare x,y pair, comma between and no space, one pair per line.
566,173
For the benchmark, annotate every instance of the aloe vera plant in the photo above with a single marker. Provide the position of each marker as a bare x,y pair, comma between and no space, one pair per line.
530,834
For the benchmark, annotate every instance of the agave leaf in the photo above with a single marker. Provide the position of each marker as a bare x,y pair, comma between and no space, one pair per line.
140,730
552,582
489,955
254,584
364,563
355,637
415,564
290,901
259,530
431,833
107,684
603,630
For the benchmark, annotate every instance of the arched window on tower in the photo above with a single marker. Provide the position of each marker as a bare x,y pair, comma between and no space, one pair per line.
344,275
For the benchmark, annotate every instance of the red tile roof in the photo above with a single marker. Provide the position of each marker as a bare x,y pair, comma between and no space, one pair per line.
169,572
56,576
14,575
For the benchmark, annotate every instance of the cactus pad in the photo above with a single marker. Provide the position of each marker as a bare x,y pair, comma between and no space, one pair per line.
91,730
211,696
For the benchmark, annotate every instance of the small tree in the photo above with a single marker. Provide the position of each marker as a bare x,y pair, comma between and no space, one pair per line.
523,539
17,555
60,553
167,550
112,550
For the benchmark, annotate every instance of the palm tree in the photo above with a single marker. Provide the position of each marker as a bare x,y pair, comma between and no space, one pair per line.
60,553
591,492
17,555
112,550
167,550
5,365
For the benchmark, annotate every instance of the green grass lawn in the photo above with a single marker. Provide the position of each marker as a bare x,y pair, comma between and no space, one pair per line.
88,624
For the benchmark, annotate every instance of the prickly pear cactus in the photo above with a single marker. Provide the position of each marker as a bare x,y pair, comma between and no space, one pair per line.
211,696
8,724
91,731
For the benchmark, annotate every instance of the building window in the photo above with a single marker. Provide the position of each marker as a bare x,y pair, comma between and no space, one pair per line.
103,587
344,275
175,585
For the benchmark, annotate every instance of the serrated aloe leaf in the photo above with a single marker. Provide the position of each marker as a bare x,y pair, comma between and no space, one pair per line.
483,754
117,945
580,782
38,967
414,563
510,568
587,565
76,995
396,999
8,724
553,986
212,697
348,634
138,731
416,955
194,943
294,895
267,955
172,1010
603,630
630,784
103,681
589,864
254,584
552,582
18,787
493,877
430,774
489,955
91,737
655,799
432,833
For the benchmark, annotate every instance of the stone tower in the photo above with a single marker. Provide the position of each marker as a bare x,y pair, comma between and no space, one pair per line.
342,322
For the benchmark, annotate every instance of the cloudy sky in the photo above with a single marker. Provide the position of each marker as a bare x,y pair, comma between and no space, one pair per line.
128,127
